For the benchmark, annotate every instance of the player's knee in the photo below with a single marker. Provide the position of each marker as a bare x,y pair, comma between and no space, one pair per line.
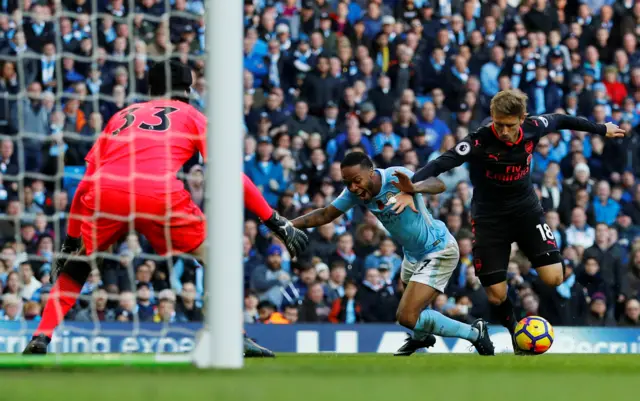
553,277
407,317
496,297
549,268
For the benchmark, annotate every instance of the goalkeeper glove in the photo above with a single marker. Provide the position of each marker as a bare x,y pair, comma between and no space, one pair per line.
69,246
294,239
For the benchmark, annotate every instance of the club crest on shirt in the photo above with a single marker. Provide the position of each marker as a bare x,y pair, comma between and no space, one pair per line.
528,147
383,203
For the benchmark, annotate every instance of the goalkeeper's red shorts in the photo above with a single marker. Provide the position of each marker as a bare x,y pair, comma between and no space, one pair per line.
171,223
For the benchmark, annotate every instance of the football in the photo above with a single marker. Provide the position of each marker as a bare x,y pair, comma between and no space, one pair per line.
534,335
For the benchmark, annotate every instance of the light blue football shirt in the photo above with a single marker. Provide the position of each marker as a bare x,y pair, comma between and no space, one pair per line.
418,233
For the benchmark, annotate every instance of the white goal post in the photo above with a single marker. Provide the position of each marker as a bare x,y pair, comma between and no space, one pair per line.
220,346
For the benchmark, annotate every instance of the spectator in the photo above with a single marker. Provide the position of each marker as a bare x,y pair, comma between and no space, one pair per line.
269,281
433,128
320,87
13,284
403,73
314,308
322,242
386,254
146,309
187,308
631,316
127,311
301,123
386,136
344,251
490,72
166,312
346,309
605,208
590,277
609,257
266,173
382,97
11,308
32,311
377,299
474,292
30,283
268,314
28,116
579,233
291,313
97,310
251,307
598,316
298,289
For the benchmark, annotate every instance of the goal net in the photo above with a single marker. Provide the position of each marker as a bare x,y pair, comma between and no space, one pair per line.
67,67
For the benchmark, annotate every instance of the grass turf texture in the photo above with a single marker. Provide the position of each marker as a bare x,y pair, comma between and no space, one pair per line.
327,377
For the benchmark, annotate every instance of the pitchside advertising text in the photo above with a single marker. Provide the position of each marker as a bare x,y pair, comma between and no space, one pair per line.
374,338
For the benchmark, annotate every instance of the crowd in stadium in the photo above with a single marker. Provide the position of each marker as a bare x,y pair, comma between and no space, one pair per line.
402,80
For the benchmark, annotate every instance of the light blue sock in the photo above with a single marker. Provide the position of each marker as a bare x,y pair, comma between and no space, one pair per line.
432,322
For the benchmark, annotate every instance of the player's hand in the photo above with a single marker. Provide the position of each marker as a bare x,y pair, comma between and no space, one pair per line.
70,246
404,183
294,239
613,131
401,201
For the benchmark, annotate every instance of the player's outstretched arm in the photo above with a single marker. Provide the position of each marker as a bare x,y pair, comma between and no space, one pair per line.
295,240
554,122
445,162
431,185
317,218
254,201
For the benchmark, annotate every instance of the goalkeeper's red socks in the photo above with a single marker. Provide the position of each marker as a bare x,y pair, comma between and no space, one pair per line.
254,201
63,296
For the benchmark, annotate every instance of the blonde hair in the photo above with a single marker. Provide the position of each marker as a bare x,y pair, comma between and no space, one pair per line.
509,103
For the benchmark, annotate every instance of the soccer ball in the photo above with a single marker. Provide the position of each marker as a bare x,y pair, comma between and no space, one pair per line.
534,335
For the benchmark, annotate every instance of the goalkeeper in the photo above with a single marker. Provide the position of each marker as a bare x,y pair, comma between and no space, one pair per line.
131,171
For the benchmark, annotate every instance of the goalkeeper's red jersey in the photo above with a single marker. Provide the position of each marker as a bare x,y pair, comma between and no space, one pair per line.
143,147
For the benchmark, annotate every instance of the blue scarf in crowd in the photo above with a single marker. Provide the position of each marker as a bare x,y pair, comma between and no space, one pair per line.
436,66
462,76
110,35
350,316
38,28
540,102
457,38
564,289
593,69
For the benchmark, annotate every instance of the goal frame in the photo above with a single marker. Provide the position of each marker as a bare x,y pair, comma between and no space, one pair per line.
220,343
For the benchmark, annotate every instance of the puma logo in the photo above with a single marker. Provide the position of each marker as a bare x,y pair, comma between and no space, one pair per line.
494,157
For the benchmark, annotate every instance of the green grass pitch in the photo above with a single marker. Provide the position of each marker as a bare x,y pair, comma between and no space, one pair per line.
326,377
